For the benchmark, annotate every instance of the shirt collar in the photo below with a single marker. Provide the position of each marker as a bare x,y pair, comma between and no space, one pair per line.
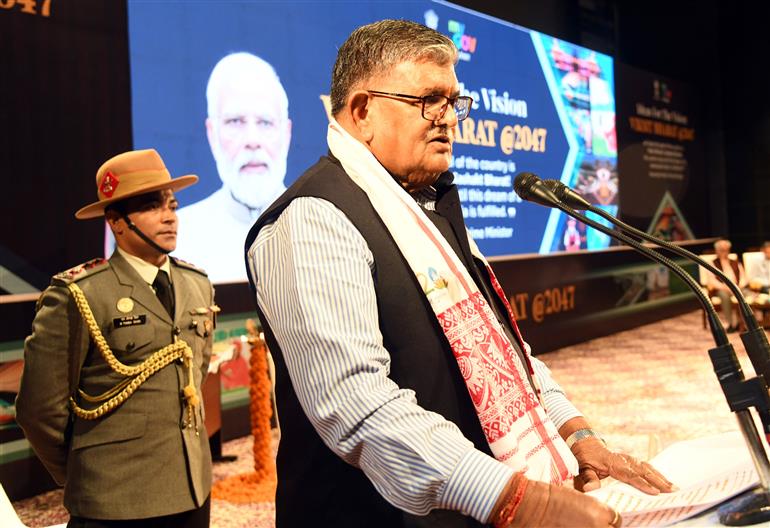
425,198
146,271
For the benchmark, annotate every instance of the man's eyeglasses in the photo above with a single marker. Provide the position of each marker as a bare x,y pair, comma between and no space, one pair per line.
434,106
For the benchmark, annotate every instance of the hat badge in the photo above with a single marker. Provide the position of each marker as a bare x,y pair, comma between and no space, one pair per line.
109,184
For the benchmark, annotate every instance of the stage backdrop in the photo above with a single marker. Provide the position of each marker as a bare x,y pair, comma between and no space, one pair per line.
542,105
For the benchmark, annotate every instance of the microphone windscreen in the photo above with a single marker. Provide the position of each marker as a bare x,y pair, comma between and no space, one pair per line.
523,184
530,188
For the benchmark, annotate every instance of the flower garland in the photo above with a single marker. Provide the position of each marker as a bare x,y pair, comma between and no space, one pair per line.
259,485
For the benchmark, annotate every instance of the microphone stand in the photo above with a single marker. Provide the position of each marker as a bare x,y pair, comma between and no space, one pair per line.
752,507
741,394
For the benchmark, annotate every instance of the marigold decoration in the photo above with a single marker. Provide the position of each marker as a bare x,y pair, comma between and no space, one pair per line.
260,485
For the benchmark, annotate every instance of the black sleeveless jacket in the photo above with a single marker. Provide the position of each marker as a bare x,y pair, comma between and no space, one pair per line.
315,486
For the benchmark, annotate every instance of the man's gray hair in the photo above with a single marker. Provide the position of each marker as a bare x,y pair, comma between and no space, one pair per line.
243,67
723,243
376,48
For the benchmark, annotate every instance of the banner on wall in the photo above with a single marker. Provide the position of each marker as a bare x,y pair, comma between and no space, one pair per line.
661,150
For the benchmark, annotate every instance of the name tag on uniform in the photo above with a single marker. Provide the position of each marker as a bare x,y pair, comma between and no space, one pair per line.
129,320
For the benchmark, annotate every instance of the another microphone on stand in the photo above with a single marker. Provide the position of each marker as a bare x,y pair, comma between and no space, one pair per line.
741,394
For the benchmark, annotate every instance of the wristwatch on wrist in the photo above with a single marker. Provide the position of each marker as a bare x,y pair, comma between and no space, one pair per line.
582,434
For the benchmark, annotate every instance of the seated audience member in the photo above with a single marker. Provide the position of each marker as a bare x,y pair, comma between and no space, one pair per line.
759,273
734,271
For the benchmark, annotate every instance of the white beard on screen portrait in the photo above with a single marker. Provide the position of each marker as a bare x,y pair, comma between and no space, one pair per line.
253,189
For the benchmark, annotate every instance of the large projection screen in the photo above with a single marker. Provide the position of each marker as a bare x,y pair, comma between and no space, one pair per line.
541,105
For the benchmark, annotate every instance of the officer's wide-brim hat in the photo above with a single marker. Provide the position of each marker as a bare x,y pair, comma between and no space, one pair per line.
131,174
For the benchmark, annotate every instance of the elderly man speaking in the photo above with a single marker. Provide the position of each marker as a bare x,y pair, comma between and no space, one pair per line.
407,395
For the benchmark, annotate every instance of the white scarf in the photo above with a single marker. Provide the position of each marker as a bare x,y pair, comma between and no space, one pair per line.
518,430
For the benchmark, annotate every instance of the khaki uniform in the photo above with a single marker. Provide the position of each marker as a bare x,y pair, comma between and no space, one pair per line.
142,459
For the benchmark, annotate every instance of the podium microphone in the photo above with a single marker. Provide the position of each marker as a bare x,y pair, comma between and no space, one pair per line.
754,338
532,189
741,394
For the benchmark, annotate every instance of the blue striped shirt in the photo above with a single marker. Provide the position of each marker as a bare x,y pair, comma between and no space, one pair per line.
314,284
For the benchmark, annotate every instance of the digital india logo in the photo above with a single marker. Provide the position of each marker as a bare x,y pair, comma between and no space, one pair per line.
466,44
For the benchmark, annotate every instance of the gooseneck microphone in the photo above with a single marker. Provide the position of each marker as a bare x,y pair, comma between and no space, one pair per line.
532,189
754,339
569,197
741,394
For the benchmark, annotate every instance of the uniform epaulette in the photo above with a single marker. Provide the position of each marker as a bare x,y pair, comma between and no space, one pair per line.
186,265
81,271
